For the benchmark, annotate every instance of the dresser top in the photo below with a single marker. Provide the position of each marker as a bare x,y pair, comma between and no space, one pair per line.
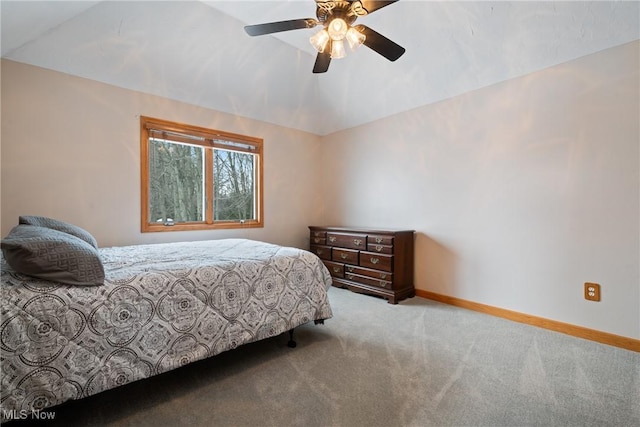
361,230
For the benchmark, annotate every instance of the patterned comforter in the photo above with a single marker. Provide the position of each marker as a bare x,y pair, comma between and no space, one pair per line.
162,306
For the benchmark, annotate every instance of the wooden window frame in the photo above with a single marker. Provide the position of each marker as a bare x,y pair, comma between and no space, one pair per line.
209,139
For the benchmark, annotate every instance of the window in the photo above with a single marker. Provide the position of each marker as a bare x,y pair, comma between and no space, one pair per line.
195,178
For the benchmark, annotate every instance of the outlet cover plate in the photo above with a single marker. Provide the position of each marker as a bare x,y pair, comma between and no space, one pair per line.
592,291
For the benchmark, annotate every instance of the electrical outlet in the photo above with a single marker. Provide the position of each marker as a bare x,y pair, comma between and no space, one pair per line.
592,291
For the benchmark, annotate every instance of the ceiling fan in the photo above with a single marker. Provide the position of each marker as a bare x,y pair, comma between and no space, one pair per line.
337,18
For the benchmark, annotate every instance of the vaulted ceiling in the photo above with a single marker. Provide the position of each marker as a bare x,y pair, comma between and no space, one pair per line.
198,52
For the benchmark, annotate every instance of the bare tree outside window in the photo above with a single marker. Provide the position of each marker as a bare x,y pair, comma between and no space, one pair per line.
233,187
195,178
176,181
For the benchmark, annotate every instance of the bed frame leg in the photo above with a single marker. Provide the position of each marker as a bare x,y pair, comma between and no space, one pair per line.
291,343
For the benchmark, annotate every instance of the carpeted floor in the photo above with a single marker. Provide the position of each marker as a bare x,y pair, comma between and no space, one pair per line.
418,363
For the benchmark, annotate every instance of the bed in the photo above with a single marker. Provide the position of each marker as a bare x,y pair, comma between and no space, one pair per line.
159,307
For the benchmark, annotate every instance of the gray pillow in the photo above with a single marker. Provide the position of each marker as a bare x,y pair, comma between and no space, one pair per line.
54,224
52,255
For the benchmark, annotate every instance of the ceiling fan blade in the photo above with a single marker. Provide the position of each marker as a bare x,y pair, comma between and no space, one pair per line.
276,27
371,5
380,43
322,62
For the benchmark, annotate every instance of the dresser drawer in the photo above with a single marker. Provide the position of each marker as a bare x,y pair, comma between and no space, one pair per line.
376,274
348,256
368,280
380,249
323,252
335,268
318,240
380,240
347,240
321,234
376,261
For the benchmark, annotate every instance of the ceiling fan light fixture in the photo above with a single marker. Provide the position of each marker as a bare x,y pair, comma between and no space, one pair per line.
355,38
319,40
337,19
337,29
337,49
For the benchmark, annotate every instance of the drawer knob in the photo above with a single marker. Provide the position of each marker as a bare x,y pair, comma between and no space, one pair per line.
319,251
349,276
357,242
379,248
336,269
378,239
382,284
343,256
316,240
375,260
383,276
349,268
332,239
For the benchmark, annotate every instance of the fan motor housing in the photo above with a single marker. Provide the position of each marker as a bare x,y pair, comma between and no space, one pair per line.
329,10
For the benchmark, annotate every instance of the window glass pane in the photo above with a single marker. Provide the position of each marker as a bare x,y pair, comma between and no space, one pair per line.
233,185
176,182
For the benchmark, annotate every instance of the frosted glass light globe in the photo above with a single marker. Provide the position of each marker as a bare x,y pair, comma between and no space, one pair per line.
337,29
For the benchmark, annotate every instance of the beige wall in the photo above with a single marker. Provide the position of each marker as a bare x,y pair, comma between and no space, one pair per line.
71,149
519,192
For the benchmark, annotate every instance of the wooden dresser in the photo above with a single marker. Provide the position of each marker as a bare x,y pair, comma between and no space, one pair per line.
376,262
